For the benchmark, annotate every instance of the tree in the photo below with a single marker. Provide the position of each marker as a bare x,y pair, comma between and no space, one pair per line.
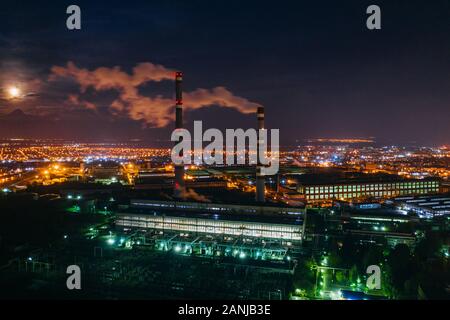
373,255
304,276
401,267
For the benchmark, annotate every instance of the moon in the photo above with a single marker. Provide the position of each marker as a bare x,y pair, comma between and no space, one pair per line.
14,92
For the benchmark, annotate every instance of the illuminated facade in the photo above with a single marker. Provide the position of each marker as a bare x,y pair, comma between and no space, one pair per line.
264,230
207,207
354,190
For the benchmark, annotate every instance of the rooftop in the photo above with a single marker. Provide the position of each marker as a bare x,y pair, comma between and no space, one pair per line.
333,176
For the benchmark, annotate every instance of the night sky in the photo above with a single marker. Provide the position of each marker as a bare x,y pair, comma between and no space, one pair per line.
314,65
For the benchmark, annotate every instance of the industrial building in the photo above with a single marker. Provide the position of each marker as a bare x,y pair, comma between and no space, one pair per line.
196,225
214,208
320,188
267,233
425,206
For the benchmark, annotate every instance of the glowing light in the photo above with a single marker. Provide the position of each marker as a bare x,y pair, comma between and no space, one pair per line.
111,241
14,92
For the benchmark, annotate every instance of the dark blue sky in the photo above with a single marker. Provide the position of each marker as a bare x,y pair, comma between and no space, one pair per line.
313,64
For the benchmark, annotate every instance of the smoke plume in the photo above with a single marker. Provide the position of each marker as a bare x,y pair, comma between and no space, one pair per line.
154,111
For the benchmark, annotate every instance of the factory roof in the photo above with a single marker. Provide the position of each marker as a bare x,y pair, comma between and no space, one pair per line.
270,219
436,203
346,177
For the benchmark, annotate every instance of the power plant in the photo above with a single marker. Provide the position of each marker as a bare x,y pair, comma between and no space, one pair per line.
179,183
179,168
260,180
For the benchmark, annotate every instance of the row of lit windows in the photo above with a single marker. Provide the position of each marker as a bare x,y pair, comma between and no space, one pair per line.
375,193
275,232
212,207
365,194
213,223
370,187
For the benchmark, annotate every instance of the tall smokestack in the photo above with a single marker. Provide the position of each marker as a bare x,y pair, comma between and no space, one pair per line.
179,169
260,180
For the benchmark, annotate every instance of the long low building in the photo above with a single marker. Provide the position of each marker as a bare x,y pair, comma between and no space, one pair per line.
319,188
425,206
210,229
265,230
265,222
214,208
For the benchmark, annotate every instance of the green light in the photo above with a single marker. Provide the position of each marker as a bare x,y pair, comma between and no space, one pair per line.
78,197
177,249
288,258
242,255
69,196
111,241
336,295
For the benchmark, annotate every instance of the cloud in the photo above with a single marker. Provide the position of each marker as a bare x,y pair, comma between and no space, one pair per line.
74,99
155,111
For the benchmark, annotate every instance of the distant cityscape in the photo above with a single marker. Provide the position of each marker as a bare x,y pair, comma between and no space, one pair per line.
234,157
335,207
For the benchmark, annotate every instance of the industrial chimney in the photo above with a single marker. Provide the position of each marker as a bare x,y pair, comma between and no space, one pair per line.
260,180
179,169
